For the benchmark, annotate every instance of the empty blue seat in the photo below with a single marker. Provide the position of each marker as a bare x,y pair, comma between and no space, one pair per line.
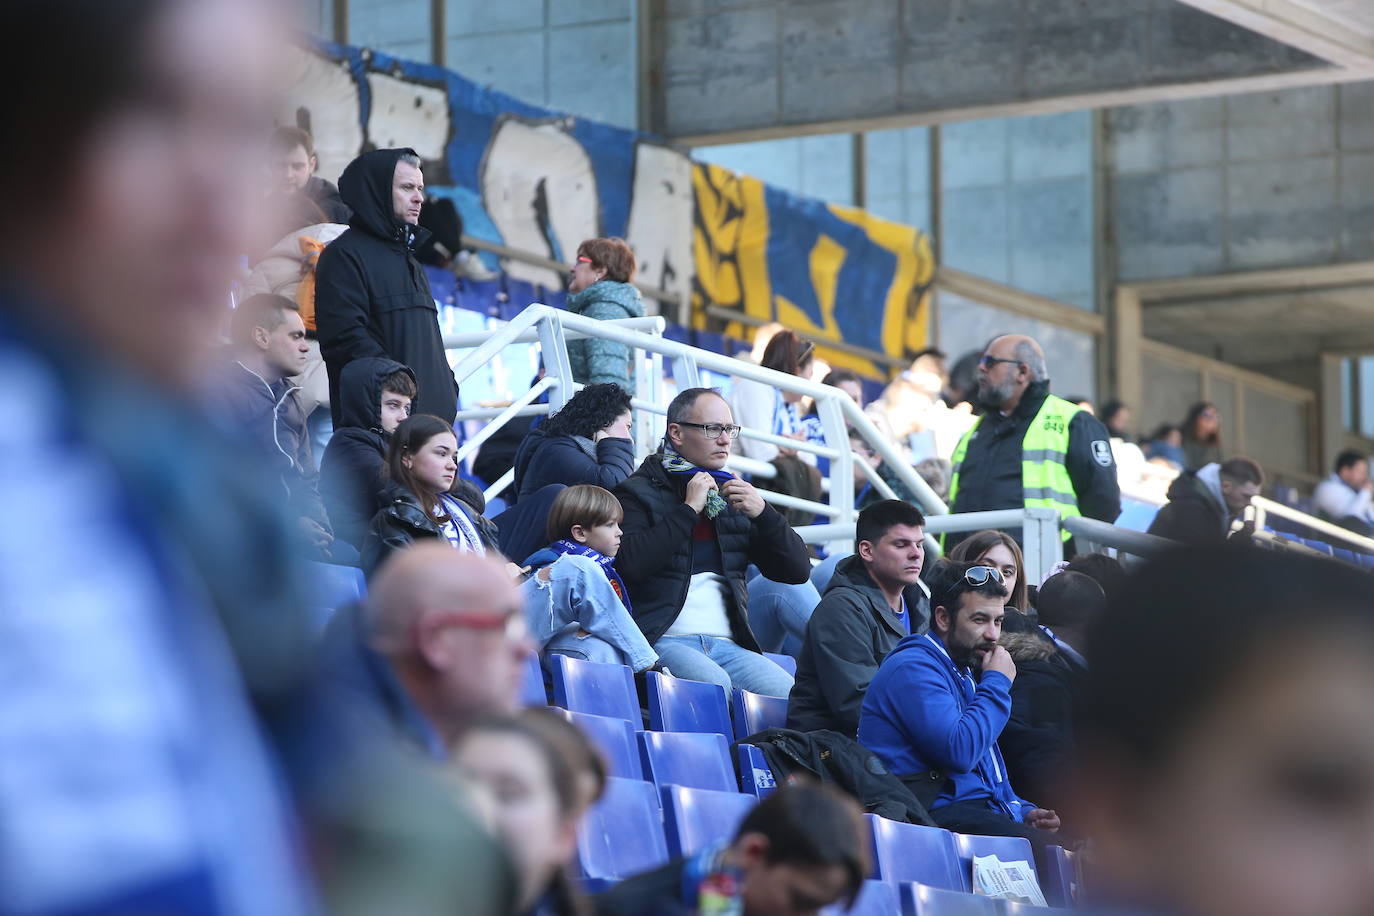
909,852
1367,559
755,776
698,760
753,712
1006,848
1346,555
615,738
532,692
1320,546
696,818
333,586
785,662
1025,909
677,705
923,900
602,690
1136,515
1058,876
876,898
622,834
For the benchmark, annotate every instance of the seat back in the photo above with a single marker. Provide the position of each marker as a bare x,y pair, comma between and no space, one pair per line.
923,900
622,834
1058,876
602,690
532,692
696,818
755,776
876,898
753,712
615,738
1006,848
785,662
910,852
677,705
697,760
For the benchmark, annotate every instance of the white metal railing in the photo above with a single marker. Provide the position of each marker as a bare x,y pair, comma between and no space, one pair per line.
1261,507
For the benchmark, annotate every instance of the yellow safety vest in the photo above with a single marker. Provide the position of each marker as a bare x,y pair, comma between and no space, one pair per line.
1045,481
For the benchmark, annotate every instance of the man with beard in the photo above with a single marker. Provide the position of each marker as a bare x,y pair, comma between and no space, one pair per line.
1031,449
940,700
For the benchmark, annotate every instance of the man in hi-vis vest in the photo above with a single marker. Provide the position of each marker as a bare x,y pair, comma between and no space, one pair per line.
1029,448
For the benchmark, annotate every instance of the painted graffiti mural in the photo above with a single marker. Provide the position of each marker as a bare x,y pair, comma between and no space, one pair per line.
541,181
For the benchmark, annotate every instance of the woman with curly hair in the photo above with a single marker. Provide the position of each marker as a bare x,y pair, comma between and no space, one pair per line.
587,441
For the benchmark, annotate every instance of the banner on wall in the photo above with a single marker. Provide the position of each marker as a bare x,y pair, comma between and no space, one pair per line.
541,181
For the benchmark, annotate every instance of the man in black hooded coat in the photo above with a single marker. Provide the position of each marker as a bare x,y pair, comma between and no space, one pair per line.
371,295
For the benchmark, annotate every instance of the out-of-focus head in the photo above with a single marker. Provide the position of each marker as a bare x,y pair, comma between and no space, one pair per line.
1106,571
269,327
587,761
538,792
138,184
292,159
889,537
452,624
1353,468
1116,416
789,354
800,849
1203,423
588,411
1070,601
1009,366
968,602
848,382
701,427
601,259
1000,551
1241,480
1227,741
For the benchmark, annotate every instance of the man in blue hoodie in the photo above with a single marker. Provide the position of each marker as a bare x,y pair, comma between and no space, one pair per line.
936,727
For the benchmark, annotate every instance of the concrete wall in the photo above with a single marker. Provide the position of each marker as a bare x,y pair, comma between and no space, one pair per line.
1245,182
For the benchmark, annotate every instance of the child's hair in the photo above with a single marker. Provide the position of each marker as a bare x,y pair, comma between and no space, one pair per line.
401,382
584,505
412,435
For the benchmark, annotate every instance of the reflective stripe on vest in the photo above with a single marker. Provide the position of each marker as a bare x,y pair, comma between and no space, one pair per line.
1045,481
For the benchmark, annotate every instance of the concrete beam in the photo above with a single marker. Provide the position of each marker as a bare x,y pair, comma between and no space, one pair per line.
1345,40
740,70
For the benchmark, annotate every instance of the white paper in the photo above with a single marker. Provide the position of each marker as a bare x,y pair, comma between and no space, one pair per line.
1009,880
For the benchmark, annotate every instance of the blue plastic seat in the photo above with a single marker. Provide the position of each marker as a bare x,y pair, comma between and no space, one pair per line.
696,818
910,852
755,776
1011,908
1058,876
785,662
615,738
1367,559
532,692
923,900
677,705
622,834
333,586
1006,848
698,760
876,898
1136,515
1346,555
1320,546
753,712
602,690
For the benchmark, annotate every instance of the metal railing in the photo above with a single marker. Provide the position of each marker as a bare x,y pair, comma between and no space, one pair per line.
1261,508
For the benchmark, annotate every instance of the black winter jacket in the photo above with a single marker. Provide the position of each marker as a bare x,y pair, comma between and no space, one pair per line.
372,297
990,477
850,633
402,521
655,558
570,460
1192,515
1037,742
354,463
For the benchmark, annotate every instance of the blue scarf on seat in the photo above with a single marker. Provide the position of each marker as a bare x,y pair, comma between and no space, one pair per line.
678,466
607,564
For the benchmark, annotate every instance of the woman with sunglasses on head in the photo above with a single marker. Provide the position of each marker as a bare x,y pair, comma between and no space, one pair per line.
1000,551
417,504
599,287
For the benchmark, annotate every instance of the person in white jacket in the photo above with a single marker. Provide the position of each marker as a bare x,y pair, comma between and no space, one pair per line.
767,409
1347,496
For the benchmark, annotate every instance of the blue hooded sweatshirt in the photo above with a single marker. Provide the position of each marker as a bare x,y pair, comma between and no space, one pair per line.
922,712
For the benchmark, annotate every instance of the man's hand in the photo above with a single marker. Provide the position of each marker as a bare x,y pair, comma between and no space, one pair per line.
999,660
698,488
741,495
1043,818
315,535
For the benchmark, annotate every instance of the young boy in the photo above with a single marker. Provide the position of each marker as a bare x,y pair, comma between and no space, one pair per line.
575,601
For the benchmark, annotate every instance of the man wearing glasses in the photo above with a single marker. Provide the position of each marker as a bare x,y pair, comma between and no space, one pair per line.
690,532
940,700
1031,449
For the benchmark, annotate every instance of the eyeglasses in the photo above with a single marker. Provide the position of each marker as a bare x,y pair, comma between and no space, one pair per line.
979,575
513,624
712,430
987,362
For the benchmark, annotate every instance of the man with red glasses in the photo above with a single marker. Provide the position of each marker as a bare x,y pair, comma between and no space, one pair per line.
440,643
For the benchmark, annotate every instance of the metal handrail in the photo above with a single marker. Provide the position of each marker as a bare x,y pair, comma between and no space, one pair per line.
1137,543
1264,507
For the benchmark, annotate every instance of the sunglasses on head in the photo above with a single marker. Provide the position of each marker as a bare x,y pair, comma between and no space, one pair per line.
979,575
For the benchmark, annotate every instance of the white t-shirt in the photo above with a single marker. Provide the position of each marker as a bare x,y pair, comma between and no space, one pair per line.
704,611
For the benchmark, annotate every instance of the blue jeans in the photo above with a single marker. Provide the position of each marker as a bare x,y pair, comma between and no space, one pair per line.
578,613
821,574
718,660
779,612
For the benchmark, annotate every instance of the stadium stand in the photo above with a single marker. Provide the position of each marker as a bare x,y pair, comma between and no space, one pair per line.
693,759
596,688
753,712
696,818
677,705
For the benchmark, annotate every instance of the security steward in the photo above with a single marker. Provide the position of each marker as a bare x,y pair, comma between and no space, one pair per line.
1029,448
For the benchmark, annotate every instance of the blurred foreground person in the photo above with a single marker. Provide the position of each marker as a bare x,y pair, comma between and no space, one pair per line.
152,640
1241,779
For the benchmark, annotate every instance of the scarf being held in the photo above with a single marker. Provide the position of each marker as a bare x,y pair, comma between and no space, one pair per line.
607,564
678,466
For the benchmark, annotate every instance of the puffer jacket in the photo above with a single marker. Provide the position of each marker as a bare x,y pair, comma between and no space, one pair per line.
1038,740
372,297
570,460
596,361
402,521
354,463
655,558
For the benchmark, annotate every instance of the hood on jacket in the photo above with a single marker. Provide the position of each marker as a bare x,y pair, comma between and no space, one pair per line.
365,187
612,291
360,391
1027,647
851,573
1203,485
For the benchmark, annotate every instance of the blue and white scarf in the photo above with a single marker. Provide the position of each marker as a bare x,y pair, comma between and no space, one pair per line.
678,466
607,564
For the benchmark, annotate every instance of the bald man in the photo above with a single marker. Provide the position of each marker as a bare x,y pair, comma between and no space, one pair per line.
1030,448
440,643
